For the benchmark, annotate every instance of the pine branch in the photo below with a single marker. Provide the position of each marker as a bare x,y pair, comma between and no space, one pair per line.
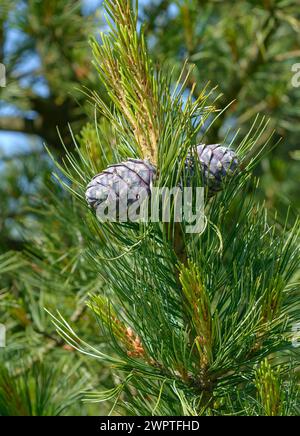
269,390
127,74
53,342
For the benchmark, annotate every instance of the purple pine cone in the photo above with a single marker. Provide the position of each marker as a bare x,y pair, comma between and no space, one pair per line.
217,163
120,180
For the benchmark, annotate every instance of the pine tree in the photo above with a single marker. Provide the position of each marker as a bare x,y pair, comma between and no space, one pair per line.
197,324
189,324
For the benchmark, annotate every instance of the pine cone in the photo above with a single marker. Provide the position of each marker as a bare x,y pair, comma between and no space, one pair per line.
217,163
119,180
134,175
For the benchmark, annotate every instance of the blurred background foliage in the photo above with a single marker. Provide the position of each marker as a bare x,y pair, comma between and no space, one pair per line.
245,48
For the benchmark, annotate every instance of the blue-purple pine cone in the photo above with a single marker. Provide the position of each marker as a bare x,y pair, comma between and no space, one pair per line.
217,163
117,181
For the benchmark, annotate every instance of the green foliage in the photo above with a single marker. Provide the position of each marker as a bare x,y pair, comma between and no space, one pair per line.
53,272
43,46
40,391
145,318
191,349
21,183
53,35
269,390
248,52
126,72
